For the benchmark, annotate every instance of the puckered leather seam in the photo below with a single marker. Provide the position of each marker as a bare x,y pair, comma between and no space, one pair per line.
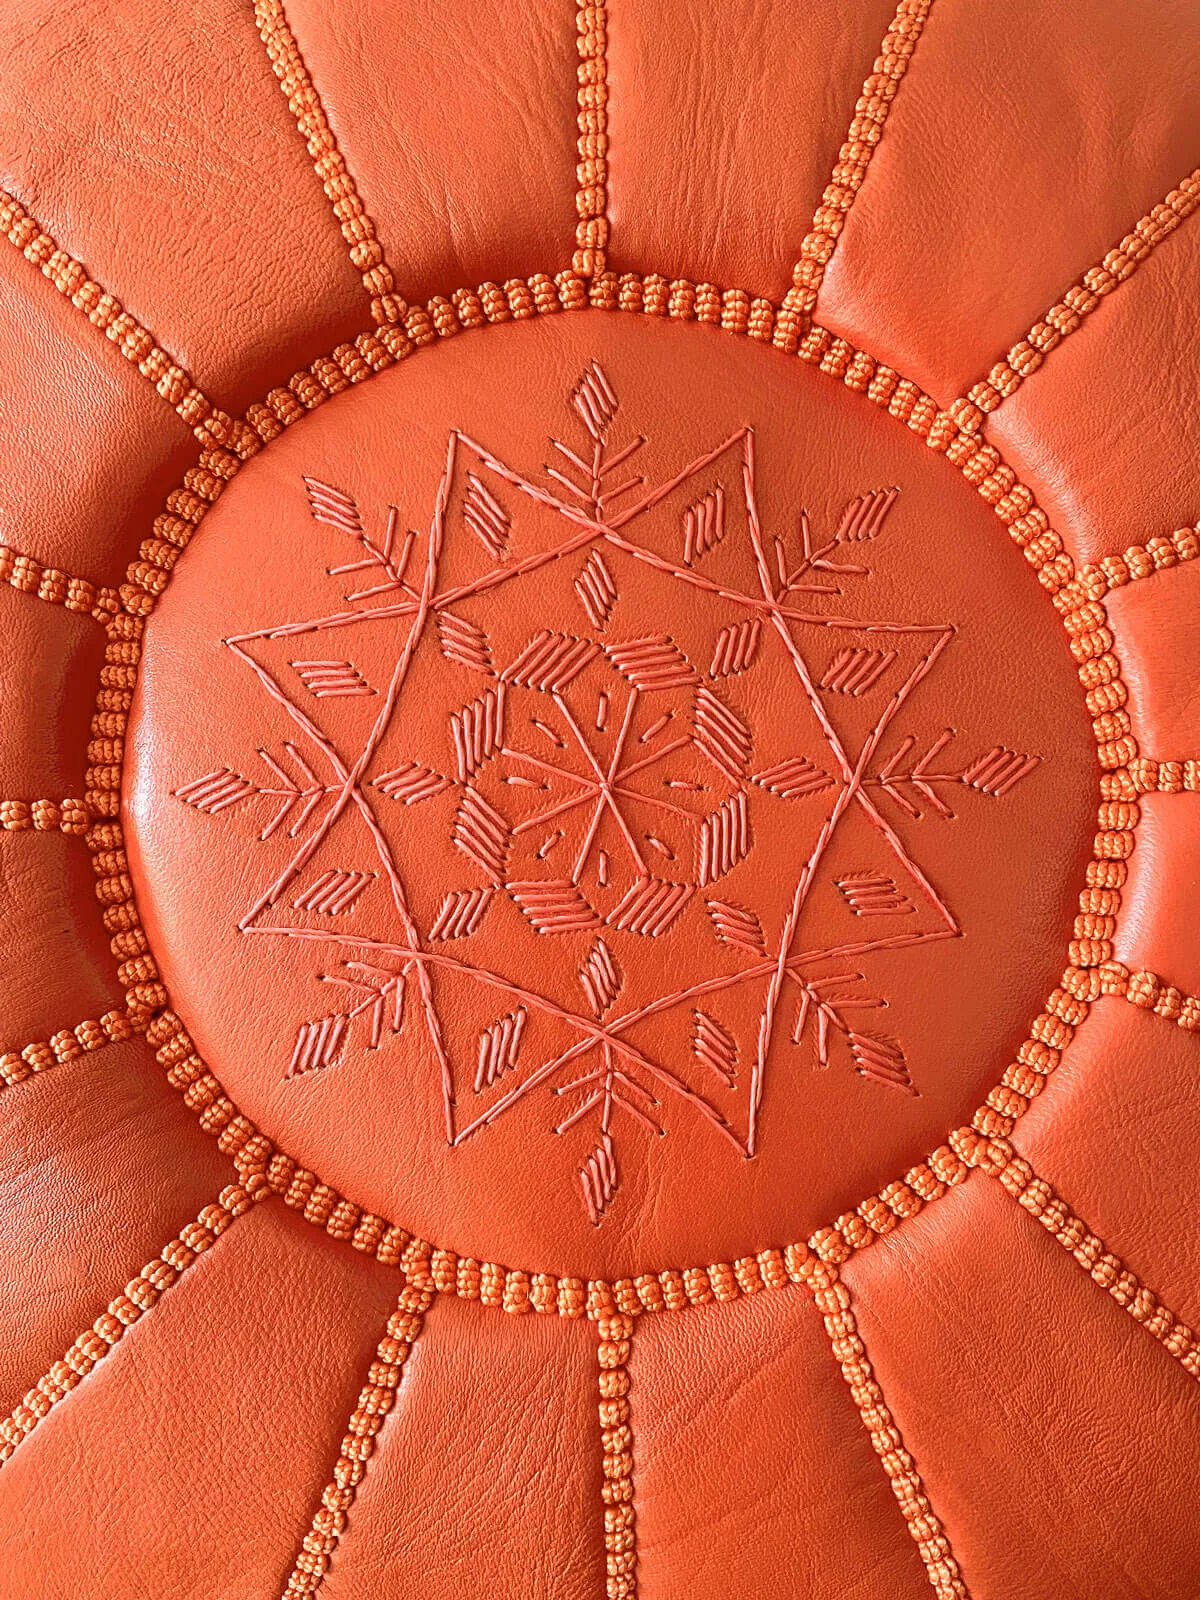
68,1044
1066,316
352,216
139,1296
591,199
174,383
999,1160
833,1301
375,1401
28,576
850,170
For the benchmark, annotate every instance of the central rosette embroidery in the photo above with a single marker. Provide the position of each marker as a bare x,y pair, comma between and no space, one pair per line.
593,783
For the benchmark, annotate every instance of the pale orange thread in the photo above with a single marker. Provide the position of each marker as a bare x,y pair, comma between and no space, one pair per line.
615,1330
139,1296
1066,315
591,200
375,1402
866,130
67,1045
997,1158
1149,992
57,588
1144,776
833,1302
136,344
358,228
1139,561
44,816
1090,641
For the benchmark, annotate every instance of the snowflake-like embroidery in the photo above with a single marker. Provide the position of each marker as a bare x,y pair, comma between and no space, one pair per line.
588,859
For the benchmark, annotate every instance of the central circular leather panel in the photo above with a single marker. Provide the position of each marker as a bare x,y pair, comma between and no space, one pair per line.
597,794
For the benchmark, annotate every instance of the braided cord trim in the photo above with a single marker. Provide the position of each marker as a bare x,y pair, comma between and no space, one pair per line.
1066,316
68,1045
44,816
57,588
174,383
591,199
998,1159
854,158
832,1299
355,222
615,1330
139,1296
1149,992
375,1402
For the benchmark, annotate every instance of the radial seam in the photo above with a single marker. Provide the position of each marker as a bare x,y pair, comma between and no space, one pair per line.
1065,316
174,383
356,224
832,1299
140,1295
866,130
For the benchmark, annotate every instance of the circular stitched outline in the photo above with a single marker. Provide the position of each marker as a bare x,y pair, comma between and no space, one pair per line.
1091,643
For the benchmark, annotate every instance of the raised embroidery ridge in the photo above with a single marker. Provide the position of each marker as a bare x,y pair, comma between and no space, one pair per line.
598,787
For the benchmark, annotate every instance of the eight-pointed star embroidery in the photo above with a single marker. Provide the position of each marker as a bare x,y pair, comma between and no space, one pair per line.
642,822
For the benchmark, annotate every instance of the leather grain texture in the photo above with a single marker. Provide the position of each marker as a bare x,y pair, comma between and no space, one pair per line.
599,768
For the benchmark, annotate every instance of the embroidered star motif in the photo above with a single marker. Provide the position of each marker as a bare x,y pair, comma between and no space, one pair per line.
607,862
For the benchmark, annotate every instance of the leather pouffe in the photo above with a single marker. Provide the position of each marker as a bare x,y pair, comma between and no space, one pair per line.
600,794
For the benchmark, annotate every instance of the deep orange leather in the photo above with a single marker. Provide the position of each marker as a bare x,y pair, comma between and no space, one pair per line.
598,802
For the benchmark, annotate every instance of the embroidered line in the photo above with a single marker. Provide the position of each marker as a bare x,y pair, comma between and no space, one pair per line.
67,1045
375,1402
591,199
833,1302
997,1158
136,344
139,1296
866,130
358,229
1081,299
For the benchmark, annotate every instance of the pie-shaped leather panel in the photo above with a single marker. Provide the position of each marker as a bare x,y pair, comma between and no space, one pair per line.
597,802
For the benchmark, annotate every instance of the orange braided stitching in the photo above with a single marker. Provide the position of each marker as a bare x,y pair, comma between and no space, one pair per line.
56,588
44,816
833,1302
358,228
1149,992
67,1045
139,1295
591,200
136,343
375,1401
1080,300
1094,581
615,1329
997,1158
866,130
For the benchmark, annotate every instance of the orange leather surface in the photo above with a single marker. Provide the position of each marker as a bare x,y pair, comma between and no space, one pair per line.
599,766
